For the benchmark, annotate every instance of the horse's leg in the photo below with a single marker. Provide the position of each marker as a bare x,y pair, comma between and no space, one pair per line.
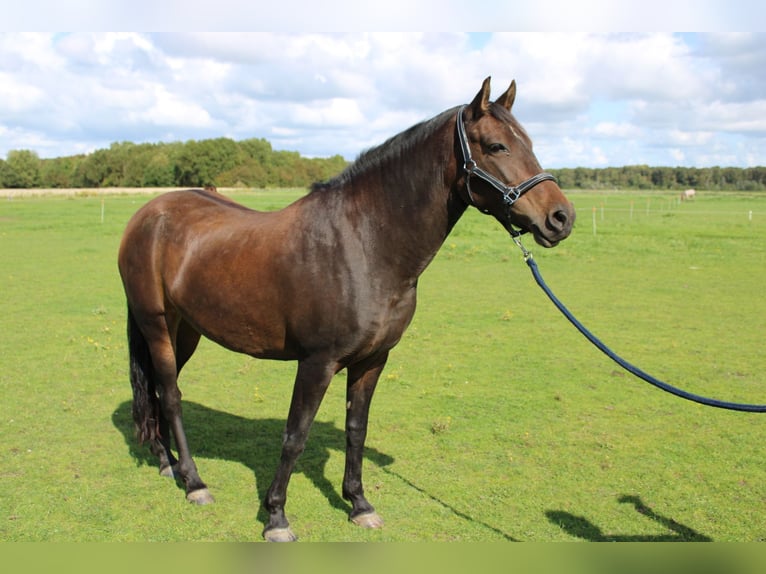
160,447
166,366
151,425
186,343
311,382
361,386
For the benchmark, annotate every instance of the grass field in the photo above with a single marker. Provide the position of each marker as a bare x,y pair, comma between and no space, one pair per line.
494,420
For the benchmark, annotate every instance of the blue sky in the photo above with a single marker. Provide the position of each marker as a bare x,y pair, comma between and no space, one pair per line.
591,99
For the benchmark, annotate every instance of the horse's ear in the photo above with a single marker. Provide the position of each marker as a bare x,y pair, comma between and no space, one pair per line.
480,104
507,99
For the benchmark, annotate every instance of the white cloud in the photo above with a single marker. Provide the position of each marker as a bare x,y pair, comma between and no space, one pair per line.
689,139
336,112
18,96
403,15
617,130
167,109
586,99
739,117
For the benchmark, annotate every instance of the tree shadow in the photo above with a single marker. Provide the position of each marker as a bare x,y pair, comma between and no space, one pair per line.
255,443
582,528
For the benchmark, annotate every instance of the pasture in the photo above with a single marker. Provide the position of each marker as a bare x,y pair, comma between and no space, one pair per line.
494,420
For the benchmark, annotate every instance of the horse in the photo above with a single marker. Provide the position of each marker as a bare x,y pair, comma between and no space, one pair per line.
328,281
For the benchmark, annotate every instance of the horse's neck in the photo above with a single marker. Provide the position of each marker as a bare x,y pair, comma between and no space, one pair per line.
412,213
399,205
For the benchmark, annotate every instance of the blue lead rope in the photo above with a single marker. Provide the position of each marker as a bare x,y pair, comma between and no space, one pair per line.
622,362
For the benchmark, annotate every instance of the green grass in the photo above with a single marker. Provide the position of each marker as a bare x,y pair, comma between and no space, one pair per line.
494,420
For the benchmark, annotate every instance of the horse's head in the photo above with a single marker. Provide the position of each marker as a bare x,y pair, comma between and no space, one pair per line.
501,175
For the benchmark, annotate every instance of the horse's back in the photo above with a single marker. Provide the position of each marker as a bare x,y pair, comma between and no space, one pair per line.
184,208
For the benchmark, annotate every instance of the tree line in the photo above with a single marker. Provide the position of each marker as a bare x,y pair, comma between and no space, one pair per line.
663,178
223,162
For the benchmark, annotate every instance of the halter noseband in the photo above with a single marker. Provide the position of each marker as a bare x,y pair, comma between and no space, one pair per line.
510,193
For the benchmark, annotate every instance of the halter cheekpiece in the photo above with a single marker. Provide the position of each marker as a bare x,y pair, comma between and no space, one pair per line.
510,193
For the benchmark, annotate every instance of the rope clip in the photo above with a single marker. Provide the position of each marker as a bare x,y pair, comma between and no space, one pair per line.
524,251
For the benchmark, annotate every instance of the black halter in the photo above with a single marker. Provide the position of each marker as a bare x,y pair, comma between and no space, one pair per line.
510,193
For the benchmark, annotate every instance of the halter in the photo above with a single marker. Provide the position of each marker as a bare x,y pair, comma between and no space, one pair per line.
510,193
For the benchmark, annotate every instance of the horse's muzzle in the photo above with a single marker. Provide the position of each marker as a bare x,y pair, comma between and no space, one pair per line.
556,227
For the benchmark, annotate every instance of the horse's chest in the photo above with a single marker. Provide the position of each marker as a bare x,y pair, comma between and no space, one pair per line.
383,323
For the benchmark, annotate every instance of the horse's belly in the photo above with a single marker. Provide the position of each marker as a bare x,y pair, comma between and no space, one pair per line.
247,318
264,337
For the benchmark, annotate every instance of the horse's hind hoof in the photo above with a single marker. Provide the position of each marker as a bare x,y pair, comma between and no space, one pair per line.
167,471
367,520
200,497
279,535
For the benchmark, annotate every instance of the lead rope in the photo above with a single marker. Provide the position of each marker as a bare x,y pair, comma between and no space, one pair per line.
622,362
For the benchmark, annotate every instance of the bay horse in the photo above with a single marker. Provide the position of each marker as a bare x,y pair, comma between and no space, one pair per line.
328,281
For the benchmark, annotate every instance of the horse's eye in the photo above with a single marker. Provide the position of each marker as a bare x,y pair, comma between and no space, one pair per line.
497,148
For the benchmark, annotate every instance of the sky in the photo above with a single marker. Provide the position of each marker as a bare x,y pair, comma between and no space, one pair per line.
590,99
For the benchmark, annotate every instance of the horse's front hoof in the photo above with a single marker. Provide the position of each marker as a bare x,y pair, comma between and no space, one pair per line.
279,535
200,497
367,520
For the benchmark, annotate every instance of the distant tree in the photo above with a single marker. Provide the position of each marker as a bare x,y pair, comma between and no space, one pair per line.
322,169
159,170
250,173
22,169
3,171
59,172
758,176
286,170
200,162
258,149
582,177
662,178
564,177
93,170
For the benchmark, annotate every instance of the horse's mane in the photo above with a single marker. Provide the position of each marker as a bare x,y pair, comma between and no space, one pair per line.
396,146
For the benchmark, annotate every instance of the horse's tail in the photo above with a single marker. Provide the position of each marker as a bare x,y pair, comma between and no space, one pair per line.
146,405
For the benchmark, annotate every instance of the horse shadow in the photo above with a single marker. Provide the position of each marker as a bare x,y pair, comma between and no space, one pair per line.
255,443
581,527
220,435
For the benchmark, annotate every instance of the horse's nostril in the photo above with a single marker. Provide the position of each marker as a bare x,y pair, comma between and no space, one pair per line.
560,218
